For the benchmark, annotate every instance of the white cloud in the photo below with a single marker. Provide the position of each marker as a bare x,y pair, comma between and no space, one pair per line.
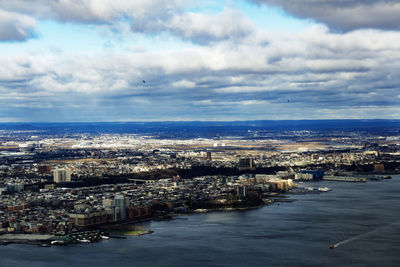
16,27
147,16
184,84
203,28
294,74
93,11
18,17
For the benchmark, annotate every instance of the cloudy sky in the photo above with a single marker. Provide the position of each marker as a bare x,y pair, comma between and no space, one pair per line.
157,60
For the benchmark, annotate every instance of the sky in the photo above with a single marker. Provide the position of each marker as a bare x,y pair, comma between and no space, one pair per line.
189,60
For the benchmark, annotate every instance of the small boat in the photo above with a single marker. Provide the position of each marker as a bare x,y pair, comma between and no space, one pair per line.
105,237
83,241
324,189
200,210
332,246
59,243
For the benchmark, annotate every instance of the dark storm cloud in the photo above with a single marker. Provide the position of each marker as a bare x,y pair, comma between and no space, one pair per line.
344,14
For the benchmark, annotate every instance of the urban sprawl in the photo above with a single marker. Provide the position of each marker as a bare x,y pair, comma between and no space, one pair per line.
61,185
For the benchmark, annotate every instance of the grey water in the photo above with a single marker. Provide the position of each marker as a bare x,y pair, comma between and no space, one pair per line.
363,217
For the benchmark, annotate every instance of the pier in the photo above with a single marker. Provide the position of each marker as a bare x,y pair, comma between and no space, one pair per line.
345,179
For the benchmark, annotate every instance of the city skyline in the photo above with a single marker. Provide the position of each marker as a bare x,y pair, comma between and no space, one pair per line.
160,60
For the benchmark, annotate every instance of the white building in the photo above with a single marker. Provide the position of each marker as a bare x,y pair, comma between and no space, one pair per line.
62,176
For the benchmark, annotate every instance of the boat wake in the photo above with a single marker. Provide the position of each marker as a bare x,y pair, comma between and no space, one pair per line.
361,235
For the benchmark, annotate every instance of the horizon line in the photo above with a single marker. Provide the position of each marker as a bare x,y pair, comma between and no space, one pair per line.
167,121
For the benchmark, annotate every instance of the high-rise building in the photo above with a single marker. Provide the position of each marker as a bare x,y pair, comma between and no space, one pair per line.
62,176
120,202
246,164
109,205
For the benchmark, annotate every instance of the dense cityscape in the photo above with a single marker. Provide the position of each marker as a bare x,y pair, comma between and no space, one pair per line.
199,133
54,187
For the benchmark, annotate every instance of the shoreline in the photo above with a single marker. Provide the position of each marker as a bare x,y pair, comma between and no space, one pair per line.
128,228
111,231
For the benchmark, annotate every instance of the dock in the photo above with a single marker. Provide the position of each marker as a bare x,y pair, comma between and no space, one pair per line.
344,179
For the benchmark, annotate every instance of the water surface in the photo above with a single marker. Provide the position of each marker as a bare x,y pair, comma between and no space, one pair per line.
364,215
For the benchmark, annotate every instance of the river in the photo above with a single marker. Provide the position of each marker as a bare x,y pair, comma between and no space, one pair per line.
363,219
